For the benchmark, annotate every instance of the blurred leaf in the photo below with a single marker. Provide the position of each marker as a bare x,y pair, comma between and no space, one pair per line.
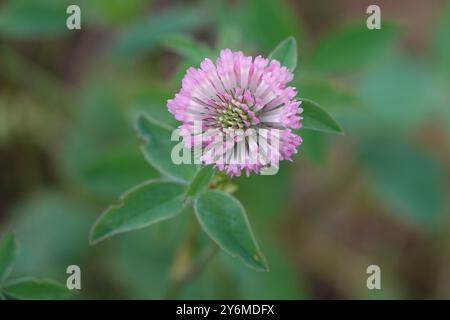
179,73
398,92
188,47
114,169
334,94
142,206
100,149
316,118
39,81
405,178
31,19
286,53
201,180
35,289
352,47
152,100
42,253
224,219
441,46
144,272
142,36
110,12
8,253
282,282
265,195
441,55
224,278
215,282
157,149
314,145
229,36
264,21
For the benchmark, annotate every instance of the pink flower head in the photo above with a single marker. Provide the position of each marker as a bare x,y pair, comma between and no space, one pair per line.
239,111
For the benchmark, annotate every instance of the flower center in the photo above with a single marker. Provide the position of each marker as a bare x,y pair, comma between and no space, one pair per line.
232,116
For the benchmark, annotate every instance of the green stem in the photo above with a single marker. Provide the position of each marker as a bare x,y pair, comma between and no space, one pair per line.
194,270
185,268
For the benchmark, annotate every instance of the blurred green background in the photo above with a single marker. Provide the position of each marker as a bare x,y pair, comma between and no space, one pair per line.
377,195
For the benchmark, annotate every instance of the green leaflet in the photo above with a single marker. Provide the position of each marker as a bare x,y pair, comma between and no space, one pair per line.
36,289
286,53
224,219
145,204
158,147
316,118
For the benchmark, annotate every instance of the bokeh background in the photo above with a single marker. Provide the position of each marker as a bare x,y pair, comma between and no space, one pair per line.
376,195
